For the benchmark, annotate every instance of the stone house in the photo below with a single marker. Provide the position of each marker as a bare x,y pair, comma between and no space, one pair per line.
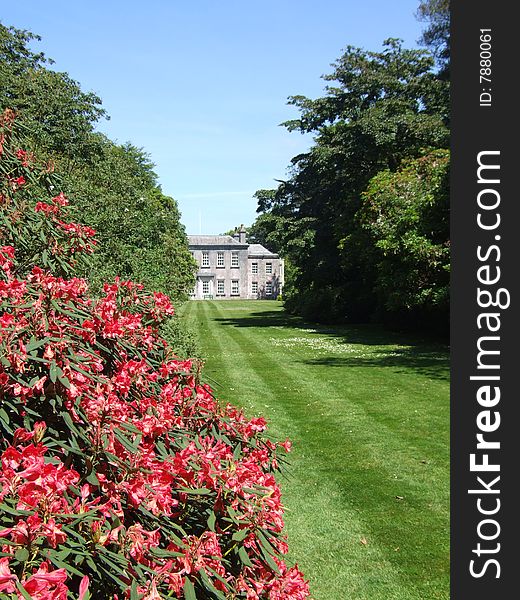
231,268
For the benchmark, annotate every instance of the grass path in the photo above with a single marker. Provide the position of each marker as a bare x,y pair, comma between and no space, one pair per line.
367,488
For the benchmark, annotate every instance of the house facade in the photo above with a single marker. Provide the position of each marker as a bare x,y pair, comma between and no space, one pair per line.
230,268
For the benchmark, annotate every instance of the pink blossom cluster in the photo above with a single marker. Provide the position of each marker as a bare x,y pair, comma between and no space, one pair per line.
154,438
37,488
79,238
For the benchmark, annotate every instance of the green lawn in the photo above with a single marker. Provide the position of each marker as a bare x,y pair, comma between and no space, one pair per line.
367,490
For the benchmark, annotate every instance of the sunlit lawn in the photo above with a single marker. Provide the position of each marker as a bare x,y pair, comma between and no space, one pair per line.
367,491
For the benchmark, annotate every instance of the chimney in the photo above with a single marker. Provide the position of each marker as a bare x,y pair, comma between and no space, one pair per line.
236,235
242,234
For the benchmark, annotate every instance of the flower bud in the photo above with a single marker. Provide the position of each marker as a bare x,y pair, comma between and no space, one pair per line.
39,431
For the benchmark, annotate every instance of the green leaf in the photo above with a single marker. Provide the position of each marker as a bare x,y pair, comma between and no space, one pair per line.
206,581
159,552
63,380
237,453
92,478
189,590
216,575
264,545
133,591
22,554
63,565
239,535
233,515
195,491
53,371
244,557
62,554
4,417
72,426
211,520
35,343
110,568
129,427
13,511
92,564
132,447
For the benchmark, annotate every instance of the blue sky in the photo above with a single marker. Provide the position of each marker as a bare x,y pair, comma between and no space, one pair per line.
202,85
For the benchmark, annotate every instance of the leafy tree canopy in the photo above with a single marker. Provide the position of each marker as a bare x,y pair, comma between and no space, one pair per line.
59,113
379,109
436,36
407,216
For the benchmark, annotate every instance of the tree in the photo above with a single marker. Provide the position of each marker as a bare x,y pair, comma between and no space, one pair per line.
437,35
407,216
383,107
60,115
141,236
15,56
273,231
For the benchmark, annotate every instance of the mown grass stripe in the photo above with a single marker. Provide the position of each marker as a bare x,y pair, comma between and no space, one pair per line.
304,530
371,472
317,397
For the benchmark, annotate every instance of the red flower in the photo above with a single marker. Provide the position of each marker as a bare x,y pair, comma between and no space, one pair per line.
7,578
47,585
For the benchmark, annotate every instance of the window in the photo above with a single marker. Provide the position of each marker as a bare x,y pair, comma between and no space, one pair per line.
220,287
268,268
205,259
254,268
220,260
234,259
234,287
254,287
268,288
205,287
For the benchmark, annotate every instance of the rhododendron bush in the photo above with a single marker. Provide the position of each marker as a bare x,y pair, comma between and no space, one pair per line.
122,476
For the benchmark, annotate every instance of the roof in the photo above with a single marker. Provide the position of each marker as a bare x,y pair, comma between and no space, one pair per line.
206,241
259,250
213,240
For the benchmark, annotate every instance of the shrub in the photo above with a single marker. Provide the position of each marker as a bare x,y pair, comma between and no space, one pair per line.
181,338
122,476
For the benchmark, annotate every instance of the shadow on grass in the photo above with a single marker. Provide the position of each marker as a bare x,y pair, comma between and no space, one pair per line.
267,318
422,353
429,364
366,334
